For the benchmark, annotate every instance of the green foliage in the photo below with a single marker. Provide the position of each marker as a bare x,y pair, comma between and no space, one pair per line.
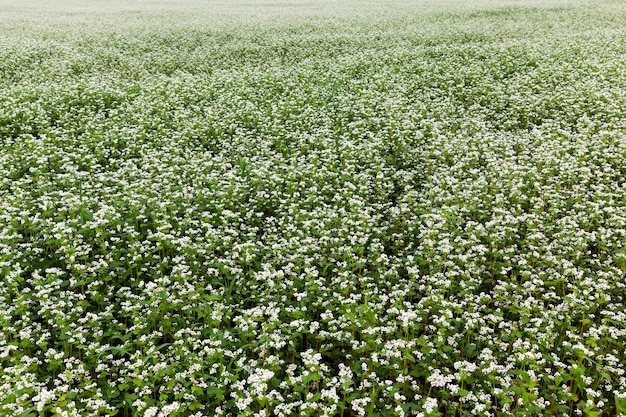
316,209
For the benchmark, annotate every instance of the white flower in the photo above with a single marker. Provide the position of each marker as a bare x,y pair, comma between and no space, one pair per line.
430,405
151,412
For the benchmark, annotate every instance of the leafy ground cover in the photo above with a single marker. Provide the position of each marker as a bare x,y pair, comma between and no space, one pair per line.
312,208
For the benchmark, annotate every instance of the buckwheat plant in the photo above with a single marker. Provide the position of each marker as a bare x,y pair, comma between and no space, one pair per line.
286,208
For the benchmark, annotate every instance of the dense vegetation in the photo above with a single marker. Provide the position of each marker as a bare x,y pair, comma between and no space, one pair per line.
312,208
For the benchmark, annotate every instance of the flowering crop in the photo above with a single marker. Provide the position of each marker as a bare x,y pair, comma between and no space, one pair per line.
313,208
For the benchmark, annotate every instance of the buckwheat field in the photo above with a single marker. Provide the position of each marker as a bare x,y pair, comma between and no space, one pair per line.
312,208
